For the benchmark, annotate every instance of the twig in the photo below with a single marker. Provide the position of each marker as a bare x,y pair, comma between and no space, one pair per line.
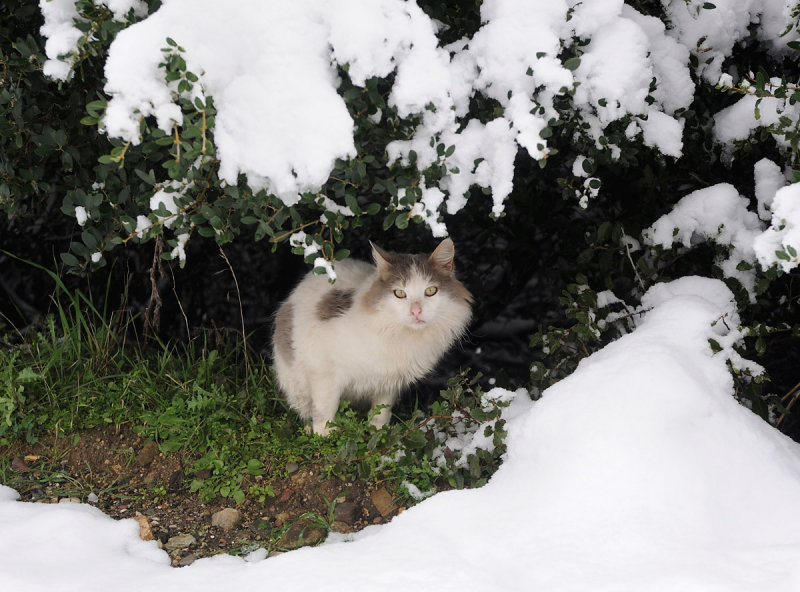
241,316
794,394
630,258
152,314
180,306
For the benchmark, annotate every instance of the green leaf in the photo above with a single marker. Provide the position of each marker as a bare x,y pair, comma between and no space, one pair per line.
572,63
388,221
69,260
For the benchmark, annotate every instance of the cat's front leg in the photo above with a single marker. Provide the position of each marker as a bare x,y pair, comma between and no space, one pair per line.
385,402
324,404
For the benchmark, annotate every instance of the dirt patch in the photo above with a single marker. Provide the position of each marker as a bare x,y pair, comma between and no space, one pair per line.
127,477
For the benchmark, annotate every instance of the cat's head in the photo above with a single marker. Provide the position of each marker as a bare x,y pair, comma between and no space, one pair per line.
419,291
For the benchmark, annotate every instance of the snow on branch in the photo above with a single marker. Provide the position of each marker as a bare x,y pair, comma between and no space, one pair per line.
272,71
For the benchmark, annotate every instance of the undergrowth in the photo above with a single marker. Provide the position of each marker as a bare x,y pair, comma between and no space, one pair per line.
77,370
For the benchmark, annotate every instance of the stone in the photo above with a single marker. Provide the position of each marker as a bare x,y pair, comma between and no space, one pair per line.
341,527
92,498
145,530
301,534
188,560
176,481
179,542
346,512
147,454
383,501
226,518
19,465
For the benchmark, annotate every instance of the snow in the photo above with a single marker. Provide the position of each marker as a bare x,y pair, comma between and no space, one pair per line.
784,233
640,472
271,68
717,214
720,215
768,178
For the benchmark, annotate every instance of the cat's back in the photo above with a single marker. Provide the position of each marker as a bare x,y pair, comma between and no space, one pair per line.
316,298
350,275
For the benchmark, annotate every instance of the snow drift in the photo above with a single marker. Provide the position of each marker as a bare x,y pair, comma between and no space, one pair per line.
640,472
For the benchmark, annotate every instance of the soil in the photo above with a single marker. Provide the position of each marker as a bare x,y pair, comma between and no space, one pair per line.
126,477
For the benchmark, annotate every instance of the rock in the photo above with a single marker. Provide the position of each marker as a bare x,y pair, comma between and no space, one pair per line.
92,498
145,530
301,534
341,527
188,560
383,501
176,481
292,467
226,518
19,465
179,542
69,500
280,519
346,512
147,454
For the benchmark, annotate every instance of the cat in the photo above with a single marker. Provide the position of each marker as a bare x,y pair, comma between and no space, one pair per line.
374,331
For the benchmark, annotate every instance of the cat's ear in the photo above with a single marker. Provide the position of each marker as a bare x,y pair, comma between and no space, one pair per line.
443,256
381,258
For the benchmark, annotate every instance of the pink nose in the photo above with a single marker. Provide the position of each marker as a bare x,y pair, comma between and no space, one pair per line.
416,310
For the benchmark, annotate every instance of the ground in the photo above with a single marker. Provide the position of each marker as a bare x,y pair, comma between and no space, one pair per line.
125,476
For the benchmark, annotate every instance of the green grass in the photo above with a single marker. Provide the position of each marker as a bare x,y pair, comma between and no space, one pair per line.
220,410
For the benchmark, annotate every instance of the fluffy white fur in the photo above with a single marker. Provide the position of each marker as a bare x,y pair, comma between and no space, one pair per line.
391,334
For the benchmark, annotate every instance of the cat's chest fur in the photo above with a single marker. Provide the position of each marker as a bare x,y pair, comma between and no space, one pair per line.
376,330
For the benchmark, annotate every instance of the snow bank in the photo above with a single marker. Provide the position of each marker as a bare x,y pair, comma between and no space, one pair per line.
638,473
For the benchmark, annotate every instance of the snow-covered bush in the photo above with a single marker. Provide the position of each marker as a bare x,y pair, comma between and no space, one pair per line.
628,142
366,113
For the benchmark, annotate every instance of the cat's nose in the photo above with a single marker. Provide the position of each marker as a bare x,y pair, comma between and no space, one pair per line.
416,310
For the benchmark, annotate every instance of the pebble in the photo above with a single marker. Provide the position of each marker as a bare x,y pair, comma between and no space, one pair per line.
292,467
226,518
19,465
188,560
301,534
383,501
178,542
145,530
92,498
346,512
147,454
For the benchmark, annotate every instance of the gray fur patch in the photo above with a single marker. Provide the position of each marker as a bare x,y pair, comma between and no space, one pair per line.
334,304
282,334
401,267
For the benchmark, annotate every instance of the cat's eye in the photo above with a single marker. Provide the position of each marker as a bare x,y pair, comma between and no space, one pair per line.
431,290
400,293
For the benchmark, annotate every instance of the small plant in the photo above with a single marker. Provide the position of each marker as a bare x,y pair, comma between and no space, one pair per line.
458,443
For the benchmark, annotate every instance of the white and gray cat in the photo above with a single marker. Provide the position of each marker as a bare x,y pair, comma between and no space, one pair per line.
369,335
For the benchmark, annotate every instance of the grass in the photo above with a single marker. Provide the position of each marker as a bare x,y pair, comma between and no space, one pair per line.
222,411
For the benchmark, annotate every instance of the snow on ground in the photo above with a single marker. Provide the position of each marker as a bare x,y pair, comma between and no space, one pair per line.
640,472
